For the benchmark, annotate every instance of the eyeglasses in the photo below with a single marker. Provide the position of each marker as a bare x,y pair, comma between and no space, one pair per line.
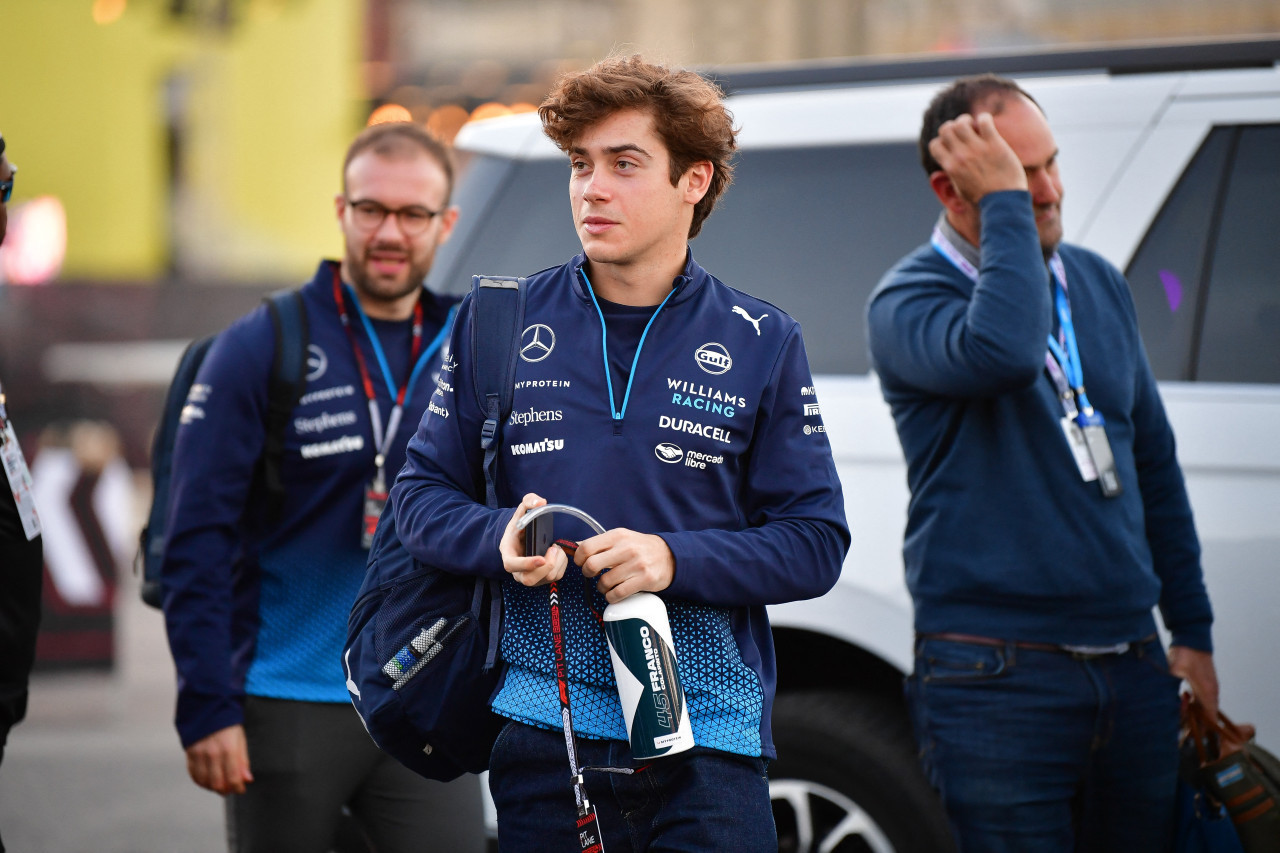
369,215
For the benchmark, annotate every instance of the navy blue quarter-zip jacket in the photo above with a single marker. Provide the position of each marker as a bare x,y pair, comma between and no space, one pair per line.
716,444
259,606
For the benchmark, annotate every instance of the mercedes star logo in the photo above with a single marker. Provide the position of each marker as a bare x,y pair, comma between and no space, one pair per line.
537,342
317,362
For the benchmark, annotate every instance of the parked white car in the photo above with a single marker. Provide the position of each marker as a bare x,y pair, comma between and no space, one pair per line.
1170,157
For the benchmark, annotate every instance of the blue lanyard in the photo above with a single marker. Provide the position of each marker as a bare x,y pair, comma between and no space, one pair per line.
382,441
1063,358
1069,357
604,346
432,349
425,357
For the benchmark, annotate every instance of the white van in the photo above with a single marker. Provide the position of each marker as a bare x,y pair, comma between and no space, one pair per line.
1170,158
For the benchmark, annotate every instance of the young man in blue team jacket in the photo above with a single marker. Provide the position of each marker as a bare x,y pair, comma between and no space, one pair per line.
256,604
670,407
1048,513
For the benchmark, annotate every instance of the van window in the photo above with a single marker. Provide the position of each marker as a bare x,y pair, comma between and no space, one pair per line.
1206,278
810,230
513,219
1167,271
1241,337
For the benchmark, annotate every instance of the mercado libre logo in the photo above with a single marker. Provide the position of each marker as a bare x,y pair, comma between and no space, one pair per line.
668,452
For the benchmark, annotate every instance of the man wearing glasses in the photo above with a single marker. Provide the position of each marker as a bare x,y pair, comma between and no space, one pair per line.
256,597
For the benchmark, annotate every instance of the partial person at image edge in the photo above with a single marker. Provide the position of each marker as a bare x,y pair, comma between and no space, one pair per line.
1048,512
256,603
21,546
758,518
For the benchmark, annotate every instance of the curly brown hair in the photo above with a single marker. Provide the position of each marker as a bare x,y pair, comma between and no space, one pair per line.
688,114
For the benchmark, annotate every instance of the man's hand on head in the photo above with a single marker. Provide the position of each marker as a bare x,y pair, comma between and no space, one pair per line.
976,157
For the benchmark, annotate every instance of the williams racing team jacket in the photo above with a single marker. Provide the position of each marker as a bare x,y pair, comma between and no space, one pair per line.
716,444
259,606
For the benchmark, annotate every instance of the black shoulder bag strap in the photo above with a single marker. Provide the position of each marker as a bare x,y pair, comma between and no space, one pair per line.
497,314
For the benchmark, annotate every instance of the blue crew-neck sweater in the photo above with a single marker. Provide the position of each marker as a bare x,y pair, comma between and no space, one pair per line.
1004,538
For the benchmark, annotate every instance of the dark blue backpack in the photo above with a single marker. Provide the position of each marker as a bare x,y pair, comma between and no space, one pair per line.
422,644
288,379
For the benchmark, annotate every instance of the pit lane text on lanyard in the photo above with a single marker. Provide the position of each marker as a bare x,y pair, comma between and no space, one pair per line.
375,494
1084,428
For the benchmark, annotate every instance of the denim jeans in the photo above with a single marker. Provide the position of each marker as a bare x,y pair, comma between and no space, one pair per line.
1037,750
699,800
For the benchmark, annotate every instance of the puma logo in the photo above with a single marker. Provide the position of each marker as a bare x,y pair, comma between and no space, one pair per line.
351,685
755,321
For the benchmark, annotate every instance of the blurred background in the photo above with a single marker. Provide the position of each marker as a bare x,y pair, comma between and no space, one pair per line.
178,159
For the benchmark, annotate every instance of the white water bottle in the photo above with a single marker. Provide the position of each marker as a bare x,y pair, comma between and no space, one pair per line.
645,666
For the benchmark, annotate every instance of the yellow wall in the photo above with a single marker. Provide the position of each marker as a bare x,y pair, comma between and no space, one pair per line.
271,105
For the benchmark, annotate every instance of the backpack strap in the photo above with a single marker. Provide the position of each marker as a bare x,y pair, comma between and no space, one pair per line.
154,535
498,311
495,328
288,380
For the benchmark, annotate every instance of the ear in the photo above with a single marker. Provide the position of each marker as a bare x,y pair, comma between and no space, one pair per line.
697,180
940,183
339,205
448,219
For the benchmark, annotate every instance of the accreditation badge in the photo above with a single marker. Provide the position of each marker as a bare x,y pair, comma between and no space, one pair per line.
19,477
375,499
1079,450
1094,430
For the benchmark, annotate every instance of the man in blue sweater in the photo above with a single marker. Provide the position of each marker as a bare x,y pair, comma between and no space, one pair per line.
671,408
256,600
1046,520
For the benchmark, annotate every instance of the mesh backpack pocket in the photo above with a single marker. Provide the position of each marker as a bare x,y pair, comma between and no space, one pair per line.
416,661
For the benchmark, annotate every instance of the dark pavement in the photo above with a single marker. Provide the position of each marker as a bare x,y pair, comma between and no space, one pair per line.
96,766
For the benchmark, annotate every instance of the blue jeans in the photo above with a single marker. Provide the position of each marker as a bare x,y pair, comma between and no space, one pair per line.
1046,751
701,799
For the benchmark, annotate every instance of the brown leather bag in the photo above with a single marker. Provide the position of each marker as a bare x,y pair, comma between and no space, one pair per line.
1238,772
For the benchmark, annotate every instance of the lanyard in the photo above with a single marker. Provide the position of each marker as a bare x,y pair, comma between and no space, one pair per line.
945,248
1066,352
587,824
418,356
604,345
1062,360
586,821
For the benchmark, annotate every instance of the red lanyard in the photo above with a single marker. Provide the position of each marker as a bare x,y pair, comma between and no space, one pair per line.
351,336
587,824
381,443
